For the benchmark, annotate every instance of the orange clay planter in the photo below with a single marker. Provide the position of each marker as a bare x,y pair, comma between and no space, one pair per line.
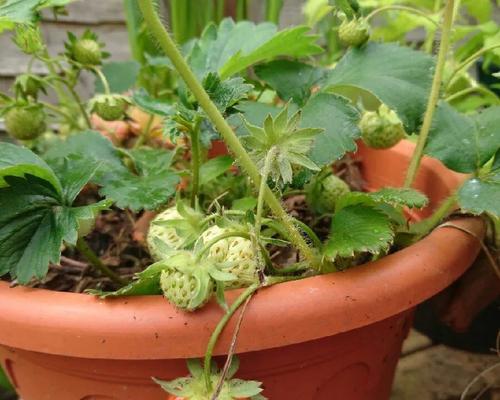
329,337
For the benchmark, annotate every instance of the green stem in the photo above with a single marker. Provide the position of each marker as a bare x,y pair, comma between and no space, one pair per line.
218,330
103,80
429,43
57,110
195,162
96,262
434,95
262,189
218,238
241,10
165,41
428,224
464,64
411,10
468,90
273,10
45,58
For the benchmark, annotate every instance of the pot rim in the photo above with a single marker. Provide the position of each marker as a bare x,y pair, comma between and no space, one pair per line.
147,327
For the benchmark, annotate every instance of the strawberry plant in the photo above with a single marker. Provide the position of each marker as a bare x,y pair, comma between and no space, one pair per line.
145,154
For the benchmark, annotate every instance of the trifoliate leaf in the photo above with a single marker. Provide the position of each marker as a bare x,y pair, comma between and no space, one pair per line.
149,188
225,93
359,228
464,143
398,76
232,47
482,194
339,120
36,219
292,80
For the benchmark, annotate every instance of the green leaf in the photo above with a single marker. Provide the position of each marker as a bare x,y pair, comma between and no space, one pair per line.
225,93
232,47
19,161
464,143
292,80
24,11
148,103
214,168
244,204
33,225
151,187
146,283
392,196
401,197
359,228
338,119
121,76
74,174
482,194
89,145
398,76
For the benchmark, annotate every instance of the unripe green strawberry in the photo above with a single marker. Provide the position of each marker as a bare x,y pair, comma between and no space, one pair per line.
87,52
381,129
180,288
323,193
218,251
110,107
28,38
237,252
164,234
355,32
25,122
244,265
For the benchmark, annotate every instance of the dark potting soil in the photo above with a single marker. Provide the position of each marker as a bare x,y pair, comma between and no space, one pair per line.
118,240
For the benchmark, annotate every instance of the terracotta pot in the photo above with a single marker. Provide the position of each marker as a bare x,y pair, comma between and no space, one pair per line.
335,336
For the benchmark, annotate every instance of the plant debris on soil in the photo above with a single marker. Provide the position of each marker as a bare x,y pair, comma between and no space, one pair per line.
118,239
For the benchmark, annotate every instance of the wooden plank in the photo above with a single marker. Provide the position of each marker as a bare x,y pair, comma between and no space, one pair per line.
91,12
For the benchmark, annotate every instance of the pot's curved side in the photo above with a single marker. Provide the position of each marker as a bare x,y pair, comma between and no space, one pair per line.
149,328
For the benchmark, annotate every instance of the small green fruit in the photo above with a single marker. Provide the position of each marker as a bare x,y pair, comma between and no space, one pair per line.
25,122
180,288
110,107
381,129
87,52
323,193
28,85
237,252
167,235
355,32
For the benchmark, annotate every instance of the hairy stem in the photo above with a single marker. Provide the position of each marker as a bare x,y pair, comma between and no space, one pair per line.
428,224
96,262
57,110
46,59
434,95
220,327
411,10
469,90
165,41
262,189
195,162
103,80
